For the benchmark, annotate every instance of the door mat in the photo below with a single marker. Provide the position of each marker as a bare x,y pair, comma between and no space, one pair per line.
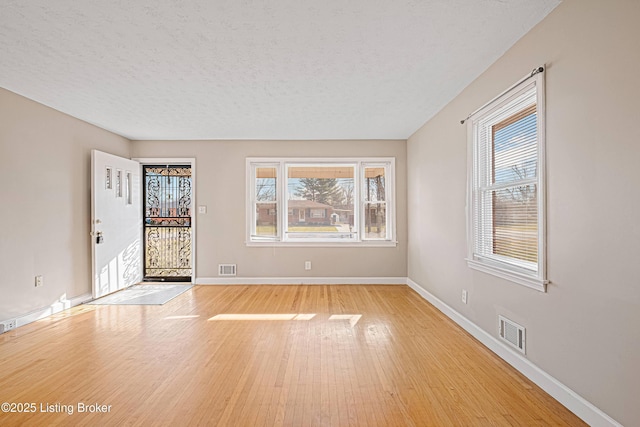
146,294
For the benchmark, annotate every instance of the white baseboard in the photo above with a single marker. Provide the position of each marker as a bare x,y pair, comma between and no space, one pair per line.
301,281
563,394
58,306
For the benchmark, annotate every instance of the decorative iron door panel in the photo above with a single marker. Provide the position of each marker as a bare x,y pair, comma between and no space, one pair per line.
167,223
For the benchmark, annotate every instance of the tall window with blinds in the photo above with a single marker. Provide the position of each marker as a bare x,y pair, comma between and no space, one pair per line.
506,182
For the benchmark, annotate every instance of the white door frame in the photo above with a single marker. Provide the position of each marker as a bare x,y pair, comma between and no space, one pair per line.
163,161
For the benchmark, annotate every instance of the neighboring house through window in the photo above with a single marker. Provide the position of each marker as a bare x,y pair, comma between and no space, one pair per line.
326,201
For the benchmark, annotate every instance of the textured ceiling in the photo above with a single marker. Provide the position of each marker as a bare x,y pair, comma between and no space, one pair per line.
255,69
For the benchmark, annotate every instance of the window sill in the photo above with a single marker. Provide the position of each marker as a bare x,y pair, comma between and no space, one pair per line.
372,244
522,279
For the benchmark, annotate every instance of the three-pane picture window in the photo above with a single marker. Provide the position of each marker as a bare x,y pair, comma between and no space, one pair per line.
320,200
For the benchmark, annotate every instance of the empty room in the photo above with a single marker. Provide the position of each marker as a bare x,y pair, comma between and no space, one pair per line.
292,213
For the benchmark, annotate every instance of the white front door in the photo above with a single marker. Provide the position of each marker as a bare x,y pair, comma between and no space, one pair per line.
116,223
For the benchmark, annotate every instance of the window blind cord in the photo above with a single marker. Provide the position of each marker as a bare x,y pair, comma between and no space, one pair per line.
527,77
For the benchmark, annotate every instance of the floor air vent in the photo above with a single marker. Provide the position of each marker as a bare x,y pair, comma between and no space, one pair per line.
511,333
226,269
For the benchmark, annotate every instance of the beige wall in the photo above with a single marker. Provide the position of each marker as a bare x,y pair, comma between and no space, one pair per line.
45,167
45,211
585,331
221,186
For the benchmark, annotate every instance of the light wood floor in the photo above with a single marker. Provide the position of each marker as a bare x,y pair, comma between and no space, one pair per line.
402,363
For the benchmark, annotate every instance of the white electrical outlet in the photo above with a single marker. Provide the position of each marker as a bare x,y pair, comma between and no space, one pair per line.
307,265
464,296
8,325
39,281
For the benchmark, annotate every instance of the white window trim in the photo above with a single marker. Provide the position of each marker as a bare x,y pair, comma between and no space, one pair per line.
492,264
317,213
281,165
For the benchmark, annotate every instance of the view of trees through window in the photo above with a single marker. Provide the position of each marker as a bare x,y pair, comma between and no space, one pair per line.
320,200
515,204
266,204
375,203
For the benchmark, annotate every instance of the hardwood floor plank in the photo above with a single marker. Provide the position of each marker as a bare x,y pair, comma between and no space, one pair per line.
204,359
